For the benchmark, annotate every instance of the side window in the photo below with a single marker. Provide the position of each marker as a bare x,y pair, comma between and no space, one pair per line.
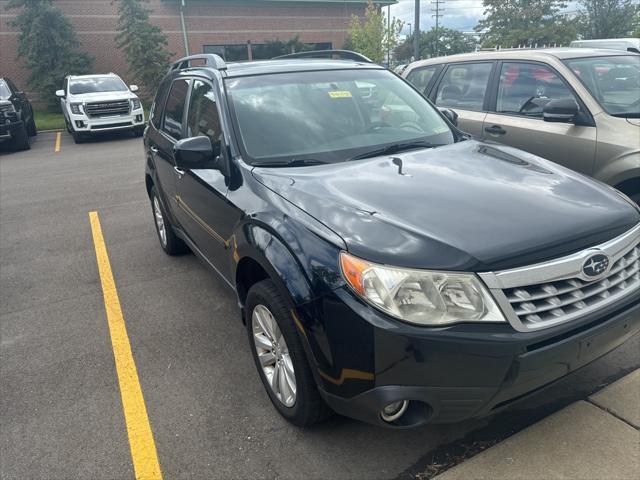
203,118
155,114
464,86
525,88
174,108
421,77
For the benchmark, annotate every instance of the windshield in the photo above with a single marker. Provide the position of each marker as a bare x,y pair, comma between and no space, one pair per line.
79,86
613,81
4,90
329,116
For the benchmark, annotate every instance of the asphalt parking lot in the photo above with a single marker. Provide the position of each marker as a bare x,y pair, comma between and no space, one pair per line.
61,413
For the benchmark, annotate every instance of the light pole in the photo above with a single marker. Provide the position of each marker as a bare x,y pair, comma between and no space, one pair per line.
416,25
409,23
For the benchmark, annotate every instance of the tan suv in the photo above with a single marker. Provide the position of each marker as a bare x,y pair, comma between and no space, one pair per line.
575,106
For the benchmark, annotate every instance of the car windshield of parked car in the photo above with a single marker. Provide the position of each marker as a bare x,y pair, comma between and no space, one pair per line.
4,90
330,116
614,82
96,84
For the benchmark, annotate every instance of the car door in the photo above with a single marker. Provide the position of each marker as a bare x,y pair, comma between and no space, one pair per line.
463,88
203,208
162,139
516,120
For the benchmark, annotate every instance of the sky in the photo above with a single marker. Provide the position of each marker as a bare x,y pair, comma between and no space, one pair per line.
457,14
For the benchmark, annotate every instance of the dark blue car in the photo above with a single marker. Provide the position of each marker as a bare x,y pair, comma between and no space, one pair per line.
387,266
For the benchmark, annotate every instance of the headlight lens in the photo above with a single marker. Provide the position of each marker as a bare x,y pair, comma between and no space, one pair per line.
135,104
76,108
422,297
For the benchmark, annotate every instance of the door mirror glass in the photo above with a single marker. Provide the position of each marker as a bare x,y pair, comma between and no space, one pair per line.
193,153
561,110
133,88
451,115
60,93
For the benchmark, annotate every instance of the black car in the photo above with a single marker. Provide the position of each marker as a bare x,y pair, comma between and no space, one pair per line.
17,123
386,265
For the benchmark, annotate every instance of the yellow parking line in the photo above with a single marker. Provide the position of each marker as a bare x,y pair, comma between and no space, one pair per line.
141,443
58,138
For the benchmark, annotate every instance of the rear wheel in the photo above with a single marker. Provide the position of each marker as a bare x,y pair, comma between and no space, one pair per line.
279,357
169,241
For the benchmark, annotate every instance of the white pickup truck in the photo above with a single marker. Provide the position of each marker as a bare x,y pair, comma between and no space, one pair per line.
100,103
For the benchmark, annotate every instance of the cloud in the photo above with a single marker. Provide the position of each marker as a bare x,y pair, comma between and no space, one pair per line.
457,14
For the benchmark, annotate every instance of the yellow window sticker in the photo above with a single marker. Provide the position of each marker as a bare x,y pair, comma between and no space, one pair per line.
340,94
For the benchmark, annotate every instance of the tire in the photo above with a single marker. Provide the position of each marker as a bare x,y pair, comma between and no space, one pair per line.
635,197
31,127
138,132
78,137
307,407
169,241
21,139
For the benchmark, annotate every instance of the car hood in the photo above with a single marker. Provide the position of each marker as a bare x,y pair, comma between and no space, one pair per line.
102,96
468,206
634,121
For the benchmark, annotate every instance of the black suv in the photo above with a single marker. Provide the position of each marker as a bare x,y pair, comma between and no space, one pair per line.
386,265
17,123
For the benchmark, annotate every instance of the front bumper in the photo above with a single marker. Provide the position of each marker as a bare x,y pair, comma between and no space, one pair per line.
86,124
457,372
9,124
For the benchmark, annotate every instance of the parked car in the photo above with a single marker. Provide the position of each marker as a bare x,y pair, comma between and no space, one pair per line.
100,103
624,44
388,267
17,123
575,106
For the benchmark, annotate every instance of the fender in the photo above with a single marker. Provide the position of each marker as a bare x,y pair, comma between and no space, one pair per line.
620,169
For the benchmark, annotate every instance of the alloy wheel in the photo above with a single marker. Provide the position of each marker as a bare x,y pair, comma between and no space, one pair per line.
157,213
273,355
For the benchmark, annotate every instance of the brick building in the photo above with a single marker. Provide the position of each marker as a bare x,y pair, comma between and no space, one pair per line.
235,29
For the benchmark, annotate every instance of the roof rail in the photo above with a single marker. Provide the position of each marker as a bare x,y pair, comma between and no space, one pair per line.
341,54
210,60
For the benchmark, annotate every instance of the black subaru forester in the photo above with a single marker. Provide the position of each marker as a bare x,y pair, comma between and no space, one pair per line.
387,266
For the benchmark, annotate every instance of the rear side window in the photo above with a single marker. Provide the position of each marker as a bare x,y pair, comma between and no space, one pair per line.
174,108
421,77
156,108
203,118
464,86
525,88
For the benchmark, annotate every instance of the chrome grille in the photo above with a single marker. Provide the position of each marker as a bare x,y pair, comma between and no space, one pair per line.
107,109
557,291
544,302
7,107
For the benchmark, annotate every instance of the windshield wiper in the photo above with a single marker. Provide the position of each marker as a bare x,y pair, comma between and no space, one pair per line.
294,162
395,148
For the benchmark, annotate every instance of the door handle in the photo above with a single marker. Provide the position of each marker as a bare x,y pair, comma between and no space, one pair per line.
495,130
179,171
153,149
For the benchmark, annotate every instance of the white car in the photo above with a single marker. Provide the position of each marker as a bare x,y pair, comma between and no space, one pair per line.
100,103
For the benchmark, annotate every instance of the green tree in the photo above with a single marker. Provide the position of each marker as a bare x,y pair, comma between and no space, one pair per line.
449,42
48,46
144,45
607,18
510,23
374,36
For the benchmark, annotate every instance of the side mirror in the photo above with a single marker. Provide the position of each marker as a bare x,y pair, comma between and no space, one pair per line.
195,152
60,93
561,110
451,115
133,88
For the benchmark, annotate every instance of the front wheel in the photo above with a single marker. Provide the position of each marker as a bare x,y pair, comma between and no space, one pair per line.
21,138
78,137
279,357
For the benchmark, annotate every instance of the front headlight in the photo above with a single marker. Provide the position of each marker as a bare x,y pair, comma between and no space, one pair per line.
135,104
76,108
422,297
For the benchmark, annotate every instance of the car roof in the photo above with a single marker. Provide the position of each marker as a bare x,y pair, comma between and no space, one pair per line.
524,54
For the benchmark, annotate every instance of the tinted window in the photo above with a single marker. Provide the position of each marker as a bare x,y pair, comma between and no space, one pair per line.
158,102
203,119
329,116
79,86
464,86
525,88
421,77
174,109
